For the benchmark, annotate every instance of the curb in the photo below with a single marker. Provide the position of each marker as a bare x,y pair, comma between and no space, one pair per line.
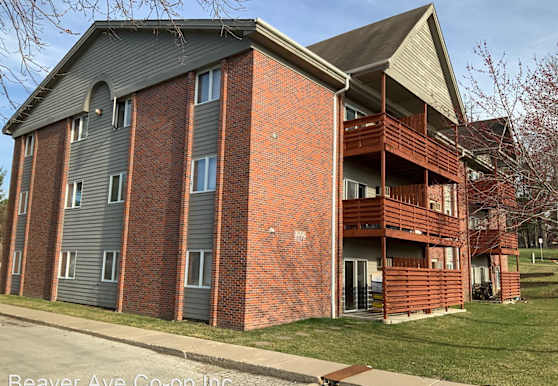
217,361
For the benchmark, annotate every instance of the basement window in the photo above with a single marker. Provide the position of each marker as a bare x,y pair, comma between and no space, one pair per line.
16,265
79,128
208,85
73,194
23,199
67,265
198,268
110,266
204,174
117,188
29,142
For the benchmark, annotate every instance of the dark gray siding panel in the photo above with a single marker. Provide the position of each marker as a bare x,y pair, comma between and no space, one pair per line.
200,220
15,284
196,303
132,61
206,129
96,226
22,219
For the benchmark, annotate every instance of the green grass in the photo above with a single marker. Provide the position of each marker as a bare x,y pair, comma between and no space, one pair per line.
514,344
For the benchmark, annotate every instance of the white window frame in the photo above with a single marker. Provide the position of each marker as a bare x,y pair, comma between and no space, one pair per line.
355,109
122,175
202,253
128,105
17,258
206,174
74,183
22,209
346,182
67,270
81,128
116,258
29,146
210,97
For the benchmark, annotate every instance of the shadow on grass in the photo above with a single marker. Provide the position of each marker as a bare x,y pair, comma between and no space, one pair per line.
401,336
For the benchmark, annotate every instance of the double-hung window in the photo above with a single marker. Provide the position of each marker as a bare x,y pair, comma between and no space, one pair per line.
16,264
79,128
122,114
204,174
73,194
110,266
198,268
67,265
23,199
29,141
117,188
208,85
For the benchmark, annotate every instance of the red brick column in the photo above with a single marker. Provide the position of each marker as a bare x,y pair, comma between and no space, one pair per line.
29,208
60,221
11,221
126,220
185,198
219,198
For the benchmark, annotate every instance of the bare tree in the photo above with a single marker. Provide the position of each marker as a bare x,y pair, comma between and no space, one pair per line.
521,147
23,23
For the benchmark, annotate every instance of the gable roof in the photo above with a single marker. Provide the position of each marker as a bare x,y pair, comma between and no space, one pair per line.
373,43
252,29
378,46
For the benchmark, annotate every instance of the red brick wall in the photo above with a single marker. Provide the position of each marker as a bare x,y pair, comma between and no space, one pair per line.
230,297
11,216
290,190
43,218
155,204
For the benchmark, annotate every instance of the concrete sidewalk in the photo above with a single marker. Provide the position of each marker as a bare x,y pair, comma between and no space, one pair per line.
248,359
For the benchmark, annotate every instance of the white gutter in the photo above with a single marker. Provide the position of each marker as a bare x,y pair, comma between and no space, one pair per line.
334,195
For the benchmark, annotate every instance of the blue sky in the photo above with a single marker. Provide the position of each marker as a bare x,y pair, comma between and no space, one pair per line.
521,29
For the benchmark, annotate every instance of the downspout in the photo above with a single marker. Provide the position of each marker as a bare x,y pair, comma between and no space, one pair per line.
334,195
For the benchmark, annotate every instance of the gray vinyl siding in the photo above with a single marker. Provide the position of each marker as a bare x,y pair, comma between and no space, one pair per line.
16,279
96,226
130,62
417,66
196,303
201,211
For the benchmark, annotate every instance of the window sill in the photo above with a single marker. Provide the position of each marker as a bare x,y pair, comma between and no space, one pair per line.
66,278
203,191
197,287
16,274
206,102
72,207
116,202
109,281
22,214
78,140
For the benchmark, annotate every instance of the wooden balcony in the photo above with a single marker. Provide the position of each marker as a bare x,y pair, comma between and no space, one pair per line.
491,193
383,216
381,131
511,287
493,242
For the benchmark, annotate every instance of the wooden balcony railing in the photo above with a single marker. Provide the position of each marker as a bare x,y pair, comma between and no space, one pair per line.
364,217
407,262
381,131
493,241
491,193
511,287
416,289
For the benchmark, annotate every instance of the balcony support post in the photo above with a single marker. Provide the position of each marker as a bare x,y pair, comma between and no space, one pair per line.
383,173
384,267
517,263
501,272
425,121
383,88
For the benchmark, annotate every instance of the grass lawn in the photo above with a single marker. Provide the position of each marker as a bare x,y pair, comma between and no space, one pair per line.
491,344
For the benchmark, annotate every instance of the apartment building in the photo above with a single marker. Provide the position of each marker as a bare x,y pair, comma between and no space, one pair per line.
241,178
492,235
